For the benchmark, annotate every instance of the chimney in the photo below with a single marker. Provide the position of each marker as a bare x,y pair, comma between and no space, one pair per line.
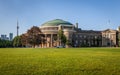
119,28
76,25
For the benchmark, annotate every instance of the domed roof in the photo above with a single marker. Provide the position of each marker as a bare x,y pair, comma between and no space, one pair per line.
56,22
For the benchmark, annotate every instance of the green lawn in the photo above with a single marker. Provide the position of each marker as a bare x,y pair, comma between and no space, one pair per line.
63,61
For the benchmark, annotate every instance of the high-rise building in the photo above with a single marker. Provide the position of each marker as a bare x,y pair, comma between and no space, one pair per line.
4,37
10,36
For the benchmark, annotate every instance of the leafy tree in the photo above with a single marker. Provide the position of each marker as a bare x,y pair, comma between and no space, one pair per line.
24,39
68,43
33,36
119,40
5,43
17,41
62,37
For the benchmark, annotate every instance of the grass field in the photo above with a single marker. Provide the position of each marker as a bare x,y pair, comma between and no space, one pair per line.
64,61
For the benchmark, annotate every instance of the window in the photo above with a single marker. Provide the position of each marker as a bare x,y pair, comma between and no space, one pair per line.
76,41
109,35
84,41
84,36
80,36
80,41
76,36
95,37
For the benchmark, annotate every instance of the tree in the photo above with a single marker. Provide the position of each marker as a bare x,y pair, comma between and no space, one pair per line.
33,36
68,43
17,41
5,43
62,37
24,39
119,39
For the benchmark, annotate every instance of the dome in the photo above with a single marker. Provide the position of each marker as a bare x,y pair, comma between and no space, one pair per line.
56,22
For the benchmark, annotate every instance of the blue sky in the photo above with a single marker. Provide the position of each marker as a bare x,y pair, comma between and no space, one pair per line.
90,14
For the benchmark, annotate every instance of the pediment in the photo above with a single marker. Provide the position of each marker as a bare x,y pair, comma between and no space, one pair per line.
109,31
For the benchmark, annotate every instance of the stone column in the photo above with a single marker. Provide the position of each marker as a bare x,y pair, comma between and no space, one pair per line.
46,40
57,40
51,40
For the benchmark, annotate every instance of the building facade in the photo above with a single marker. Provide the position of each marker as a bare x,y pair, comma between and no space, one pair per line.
110,37
76,36
50,30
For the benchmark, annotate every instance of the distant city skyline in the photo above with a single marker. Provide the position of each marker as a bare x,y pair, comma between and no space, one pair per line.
6,37
90,14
